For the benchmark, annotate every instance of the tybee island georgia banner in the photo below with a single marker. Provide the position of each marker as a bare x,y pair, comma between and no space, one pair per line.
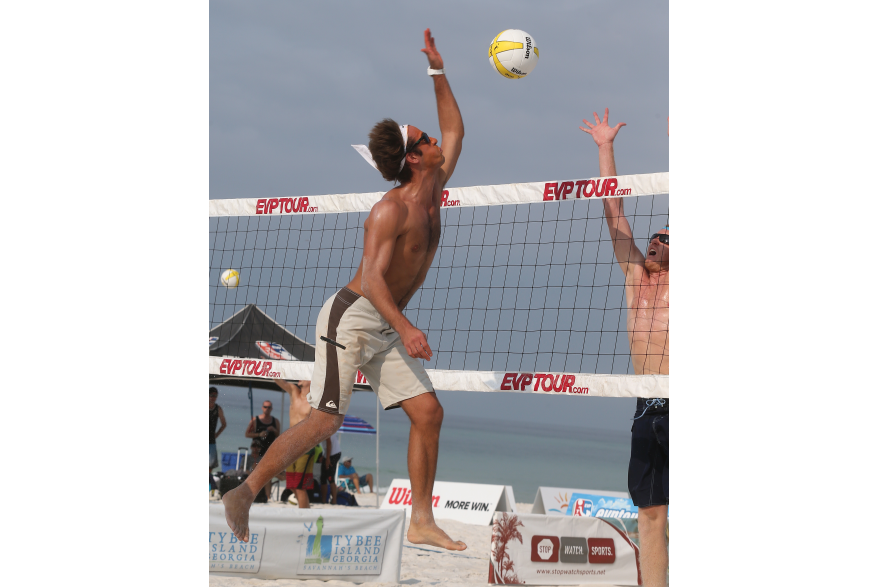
289,543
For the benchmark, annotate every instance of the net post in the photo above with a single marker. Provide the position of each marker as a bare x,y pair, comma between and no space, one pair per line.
377,452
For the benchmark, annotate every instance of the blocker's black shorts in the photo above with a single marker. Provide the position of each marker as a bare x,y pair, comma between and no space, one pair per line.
648,475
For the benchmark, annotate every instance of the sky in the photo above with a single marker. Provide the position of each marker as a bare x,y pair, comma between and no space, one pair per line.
293,85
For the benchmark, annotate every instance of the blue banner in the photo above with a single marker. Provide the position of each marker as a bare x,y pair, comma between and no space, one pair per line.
601,506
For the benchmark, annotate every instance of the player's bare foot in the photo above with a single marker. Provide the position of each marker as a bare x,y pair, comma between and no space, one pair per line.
237,504
431,534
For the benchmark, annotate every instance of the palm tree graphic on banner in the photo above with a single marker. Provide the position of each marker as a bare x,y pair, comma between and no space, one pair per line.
505,529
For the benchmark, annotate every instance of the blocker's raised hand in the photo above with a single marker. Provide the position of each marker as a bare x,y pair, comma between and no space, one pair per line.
435,60
601,132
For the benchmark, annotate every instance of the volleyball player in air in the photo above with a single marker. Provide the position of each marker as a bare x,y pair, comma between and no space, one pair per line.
362,326
647,289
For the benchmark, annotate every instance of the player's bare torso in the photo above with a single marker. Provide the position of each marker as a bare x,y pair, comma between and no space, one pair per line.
648,321
414,249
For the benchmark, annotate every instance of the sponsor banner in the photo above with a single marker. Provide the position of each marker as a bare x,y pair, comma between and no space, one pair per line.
465,502
513,193
327,544
540,550
601,506
574,384
275,351
555,501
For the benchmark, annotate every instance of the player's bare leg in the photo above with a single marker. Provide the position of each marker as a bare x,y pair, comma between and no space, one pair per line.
653,545
283,452
304,501
426,414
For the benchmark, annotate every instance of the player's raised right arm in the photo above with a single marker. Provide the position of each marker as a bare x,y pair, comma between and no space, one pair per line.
450,119
382,228
626,252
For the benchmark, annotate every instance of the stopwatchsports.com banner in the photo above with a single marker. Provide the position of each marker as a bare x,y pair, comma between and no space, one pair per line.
575,384
513,193
290,543
543,550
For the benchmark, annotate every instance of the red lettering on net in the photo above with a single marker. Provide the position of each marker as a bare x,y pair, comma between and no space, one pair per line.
282,205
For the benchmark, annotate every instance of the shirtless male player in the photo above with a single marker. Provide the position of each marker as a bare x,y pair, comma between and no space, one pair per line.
362,326
300,474
647,288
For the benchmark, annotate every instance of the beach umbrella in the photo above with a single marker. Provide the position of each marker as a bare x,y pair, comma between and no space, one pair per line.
356,426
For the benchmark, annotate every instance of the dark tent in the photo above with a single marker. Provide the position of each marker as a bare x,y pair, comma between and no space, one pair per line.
252,334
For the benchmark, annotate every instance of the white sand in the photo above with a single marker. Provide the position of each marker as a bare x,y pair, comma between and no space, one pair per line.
420,565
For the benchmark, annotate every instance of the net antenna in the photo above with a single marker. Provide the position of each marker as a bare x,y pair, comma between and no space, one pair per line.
524,293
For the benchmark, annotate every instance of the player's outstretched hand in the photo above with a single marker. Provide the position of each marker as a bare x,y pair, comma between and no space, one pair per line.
416,345
601,132
435,60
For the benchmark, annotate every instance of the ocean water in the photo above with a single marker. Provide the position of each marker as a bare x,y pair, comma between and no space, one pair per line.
514,450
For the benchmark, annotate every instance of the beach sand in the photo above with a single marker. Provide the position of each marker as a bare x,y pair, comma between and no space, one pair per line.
421,566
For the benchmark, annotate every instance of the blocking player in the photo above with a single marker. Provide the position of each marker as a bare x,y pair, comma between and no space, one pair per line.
362,327
647,289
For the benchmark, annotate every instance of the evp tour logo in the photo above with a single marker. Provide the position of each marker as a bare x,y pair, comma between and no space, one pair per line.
547,382
584,187
572,549
247,367
446,201
230,555
284,206
340,554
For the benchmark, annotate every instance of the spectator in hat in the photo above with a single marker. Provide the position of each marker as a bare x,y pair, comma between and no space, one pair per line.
346,471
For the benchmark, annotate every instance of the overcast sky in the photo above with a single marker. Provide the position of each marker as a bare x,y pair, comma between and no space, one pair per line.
294,84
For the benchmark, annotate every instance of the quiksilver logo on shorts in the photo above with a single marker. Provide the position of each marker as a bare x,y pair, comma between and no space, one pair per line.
331,405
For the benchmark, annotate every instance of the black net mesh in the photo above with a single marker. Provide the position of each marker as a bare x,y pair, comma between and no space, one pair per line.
524,287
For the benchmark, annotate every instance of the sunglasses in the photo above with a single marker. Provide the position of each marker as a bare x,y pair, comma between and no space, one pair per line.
267,408
664,238
424,138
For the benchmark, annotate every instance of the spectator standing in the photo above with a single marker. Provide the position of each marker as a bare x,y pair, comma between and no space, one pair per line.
216,414
264,428
331,456
346,471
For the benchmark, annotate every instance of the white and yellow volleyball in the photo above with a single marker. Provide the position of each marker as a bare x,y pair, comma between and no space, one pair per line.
513,53
230,278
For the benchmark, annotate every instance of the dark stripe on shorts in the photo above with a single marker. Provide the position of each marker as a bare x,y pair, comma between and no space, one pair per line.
332,386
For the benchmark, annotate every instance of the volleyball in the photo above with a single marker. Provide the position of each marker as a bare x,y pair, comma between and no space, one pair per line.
230,278
513,53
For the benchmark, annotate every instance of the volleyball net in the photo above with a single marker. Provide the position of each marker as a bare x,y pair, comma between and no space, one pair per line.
524,293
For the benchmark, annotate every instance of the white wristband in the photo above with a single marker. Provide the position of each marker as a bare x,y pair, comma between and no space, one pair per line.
431,71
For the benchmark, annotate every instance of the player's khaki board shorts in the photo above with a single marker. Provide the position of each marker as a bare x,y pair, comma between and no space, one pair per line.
359,339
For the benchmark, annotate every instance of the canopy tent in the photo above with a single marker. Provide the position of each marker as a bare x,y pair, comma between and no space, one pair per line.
251,334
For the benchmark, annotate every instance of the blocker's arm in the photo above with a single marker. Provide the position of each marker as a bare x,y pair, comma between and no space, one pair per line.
626,252
450,119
